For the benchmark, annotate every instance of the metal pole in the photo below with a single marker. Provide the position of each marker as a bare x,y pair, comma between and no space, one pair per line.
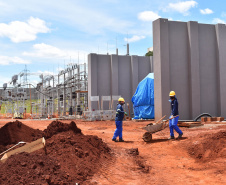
58,96
30,97
64,97
78,85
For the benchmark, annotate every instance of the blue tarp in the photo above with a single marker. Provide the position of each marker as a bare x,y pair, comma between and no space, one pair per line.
143,99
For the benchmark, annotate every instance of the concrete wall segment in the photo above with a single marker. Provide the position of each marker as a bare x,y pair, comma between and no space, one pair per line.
161,69
178,65
144,67
194,75
125,78
135,72
195,67
221,45
92,87
208,69
112,75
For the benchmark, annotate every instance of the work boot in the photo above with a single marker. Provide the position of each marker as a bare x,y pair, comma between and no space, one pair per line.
114,140
171,137
180,136
121,140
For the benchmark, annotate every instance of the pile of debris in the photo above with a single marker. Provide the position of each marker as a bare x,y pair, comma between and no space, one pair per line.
70,156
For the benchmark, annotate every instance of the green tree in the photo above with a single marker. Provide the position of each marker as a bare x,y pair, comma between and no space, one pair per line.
150,53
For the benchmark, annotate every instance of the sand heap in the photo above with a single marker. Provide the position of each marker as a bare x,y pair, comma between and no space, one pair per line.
71,158
208,147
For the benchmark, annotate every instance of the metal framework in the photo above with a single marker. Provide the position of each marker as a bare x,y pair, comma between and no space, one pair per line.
64,94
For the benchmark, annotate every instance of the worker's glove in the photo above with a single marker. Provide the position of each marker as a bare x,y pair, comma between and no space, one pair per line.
126,113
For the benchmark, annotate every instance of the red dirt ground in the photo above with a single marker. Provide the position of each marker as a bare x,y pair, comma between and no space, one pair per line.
198,158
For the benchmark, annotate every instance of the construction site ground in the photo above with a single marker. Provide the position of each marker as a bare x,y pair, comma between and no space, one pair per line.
160,161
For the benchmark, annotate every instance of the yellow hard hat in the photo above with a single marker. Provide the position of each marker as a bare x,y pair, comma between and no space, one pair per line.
172,93
121,99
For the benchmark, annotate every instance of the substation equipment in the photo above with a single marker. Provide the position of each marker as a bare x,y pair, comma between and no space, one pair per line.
62,95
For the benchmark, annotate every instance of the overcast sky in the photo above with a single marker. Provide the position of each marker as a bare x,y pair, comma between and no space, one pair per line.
46,35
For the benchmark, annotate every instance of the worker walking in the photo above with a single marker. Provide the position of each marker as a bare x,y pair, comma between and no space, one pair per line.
174,112
118,120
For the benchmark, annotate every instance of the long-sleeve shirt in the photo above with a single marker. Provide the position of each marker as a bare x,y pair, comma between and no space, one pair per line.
174,107
119,113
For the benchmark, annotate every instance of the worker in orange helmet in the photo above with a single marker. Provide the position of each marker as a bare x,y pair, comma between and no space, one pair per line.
118,120
174,112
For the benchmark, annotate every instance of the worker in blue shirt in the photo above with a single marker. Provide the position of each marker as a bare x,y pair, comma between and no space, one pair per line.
118,120
174,112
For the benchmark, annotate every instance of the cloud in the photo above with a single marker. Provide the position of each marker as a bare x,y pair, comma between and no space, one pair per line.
148,16
217,20
206,11
23,31
45,72
6,60
181,7
46,51
51,52
134,38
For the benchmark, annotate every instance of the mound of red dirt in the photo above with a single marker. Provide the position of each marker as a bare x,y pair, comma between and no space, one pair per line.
71,158
208,147
57,127
14,132
79,155
31,168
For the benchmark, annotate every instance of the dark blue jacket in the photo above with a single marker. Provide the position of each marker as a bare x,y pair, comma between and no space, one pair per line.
119,113
174,107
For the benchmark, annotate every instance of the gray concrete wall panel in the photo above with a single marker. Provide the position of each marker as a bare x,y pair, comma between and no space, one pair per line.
193,36
125,88
221,45
135,72
161,67
92,87
144,67
179,65
103,75
208,68
190,59
112,75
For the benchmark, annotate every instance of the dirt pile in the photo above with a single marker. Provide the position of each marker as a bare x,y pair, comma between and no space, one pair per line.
208,147
71,158
14,132
57,127
31,168
80,155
